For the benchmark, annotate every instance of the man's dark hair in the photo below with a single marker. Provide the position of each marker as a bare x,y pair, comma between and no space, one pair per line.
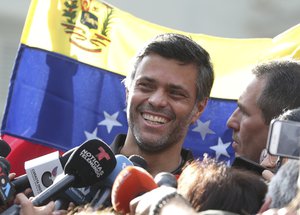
183,49
282,87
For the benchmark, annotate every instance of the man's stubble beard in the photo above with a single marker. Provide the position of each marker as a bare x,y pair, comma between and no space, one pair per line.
176,135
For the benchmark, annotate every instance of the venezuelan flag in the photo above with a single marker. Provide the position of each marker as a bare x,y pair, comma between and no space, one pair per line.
66,83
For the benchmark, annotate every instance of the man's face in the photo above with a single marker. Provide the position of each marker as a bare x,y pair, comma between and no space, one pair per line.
249,129
162,103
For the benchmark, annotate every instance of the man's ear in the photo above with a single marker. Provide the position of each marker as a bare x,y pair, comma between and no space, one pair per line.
200,106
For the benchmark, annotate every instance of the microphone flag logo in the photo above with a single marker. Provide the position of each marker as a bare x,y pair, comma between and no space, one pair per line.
102,154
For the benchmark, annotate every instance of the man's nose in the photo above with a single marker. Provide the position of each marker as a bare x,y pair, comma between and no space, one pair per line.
158,98
233,121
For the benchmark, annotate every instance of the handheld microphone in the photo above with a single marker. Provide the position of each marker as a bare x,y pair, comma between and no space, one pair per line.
22,182
98,195
138,160
102,197
166,179
130,183
90,162
6,189
4,148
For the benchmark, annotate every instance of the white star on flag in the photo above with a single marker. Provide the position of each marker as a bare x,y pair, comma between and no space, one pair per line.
220,149
92,135
203,128
110,121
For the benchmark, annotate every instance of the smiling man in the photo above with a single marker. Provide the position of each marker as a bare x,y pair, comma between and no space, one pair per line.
167,90
274,89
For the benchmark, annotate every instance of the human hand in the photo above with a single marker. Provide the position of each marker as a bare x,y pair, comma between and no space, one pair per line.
27,208
11,176
267,175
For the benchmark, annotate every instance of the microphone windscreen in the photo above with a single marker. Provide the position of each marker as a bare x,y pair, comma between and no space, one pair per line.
4,148
90,162
7,191
65,157
165,179
122,162
5,166
130,183
138,160
41,170
102,197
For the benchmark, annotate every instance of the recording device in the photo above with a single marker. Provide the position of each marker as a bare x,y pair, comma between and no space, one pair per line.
98,195
4,148
284,139
42,176
102,196
134,181
6,189
130,183
23,182
89,163
138,160
244,163
165,179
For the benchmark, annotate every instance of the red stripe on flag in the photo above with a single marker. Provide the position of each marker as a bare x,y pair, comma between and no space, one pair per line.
21,151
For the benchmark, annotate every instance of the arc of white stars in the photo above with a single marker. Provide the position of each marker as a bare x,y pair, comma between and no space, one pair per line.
203,128
220,148
92,135
110,121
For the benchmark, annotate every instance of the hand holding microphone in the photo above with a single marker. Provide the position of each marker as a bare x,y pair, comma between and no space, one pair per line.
39,171
27,208
89,163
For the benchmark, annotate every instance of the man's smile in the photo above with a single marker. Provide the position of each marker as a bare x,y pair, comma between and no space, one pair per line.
155,119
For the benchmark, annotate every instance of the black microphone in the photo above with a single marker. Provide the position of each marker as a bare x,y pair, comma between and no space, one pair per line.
102,197
98,195
6,189
89,163
138,160
22,182
4,148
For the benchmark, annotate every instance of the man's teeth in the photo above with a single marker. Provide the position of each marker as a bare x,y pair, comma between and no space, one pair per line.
155,119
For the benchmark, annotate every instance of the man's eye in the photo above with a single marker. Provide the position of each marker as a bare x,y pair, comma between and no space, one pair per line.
144,86
177,94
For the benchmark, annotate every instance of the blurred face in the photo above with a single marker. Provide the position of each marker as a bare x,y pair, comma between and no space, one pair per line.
249,129
162,103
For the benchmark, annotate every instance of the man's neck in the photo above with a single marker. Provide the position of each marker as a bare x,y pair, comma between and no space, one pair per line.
164,161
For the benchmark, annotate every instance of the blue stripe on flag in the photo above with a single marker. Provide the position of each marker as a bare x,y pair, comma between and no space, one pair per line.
59,102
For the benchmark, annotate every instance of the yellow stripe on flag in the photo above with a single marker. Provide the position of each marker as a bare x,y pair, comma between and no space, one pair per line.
103,36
